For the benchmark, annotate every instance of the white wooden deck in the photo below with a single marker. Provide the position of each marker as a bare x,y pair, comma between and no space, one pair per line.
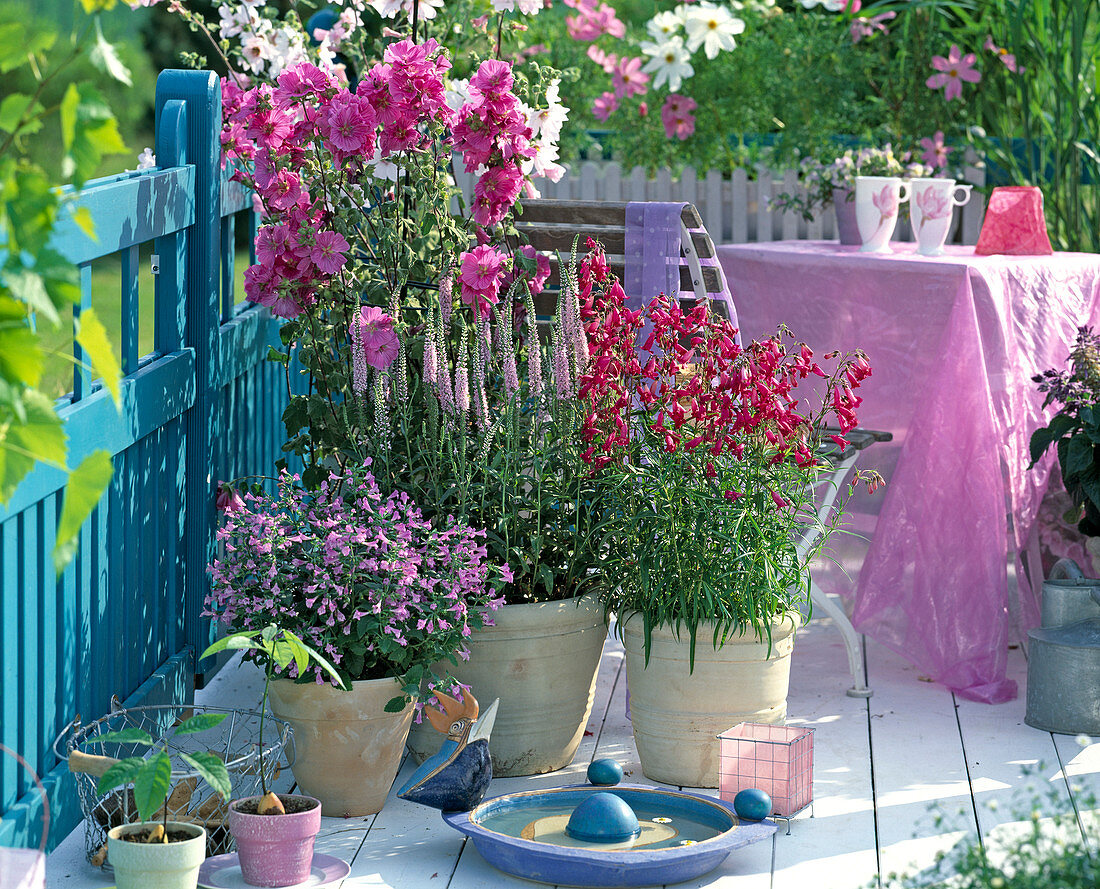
879,765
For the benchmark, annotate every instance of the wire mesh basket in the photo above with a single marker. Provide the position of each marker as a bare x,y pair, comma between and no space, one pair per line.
235,740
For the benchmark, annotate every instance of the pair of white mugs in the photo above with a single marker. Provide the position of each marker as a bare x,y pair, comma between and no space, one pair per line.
932,204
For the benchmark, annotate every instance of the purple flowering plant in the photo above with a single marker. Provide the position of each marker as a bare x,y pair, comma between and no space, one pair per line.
361,577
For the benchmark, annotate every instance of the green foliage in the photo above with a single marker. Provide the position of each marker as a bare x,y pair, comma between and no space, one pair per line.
152,775
37,286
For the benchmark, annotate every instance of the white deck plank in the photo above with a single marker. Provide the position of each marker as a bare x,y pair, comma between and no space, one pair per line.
918,760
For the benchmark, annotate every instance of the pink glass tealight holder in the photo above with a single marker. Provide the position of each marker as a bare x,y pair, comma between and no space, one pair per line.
778,759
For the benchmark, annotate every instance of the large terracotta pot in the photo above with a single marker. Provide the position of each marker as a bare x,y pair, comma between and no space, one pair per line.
677,715
347,748
541,661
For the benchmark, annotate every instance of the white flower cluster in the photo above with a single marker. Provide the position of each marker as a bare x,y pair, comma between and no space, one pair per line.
679,33
388,9
269,48
527,7
830,5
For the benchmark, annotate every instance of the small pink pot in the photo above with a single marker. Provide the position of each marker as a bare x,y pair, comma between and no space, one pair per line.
275,850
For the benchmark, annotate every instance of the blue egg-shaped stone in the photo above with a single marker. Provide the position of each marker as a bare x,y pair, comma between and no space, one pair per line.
752,804
603,818
323,19
605,772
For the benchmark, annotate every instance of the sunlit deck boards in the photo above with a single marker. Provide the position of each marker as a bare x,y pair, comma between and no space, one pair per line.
879,763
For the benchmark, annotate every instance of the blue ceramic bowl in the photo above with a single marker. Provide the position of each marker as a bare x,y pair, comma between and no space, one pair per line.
566,866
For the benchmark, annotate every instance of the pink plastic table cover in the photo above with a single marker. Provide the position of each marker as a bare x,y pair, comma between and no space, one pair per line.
953,341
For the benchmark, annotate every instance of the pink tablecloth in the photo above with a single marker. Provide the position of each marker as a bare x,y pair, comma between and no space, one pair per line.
954,342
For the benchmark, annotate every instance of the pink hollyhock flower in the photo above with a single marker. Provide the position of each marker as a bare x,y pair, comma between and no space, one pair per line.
604,106
1003,54
272,241
301,81
935,152
953,71
351,124
480,273
493,78
379,339
629,79
283,191
328,252
865,27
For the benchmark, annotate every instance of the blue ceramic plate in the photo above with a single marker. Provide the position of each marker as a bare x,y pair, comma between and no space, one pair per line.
684,835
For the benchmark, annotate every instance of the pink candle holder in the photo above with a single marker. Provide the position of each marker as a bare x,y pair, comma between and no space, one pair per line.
778,759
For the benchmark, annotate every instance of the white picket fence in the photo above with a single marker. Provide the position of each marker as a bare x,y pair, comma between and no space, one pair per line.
735,208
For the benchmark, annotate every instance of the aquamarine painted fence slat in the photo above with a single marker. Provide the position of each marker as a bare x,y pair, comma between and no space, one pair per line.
125,617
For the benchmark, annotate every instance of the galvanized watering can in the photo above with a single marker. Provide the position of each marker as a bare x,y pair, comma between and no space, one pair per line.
1063,669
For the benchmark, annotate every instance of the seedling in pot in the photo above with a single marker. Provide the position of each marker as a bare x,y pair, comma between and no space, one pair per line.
152,775
275,647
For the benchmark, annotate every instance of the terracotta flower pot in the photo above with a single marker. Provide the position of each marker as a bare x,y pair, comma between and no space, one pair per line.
164,865
677,715
275,850
347,748
541,661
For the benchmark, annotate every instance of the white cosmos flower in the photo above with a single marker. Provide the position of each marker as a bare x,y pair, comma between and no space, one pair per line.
671,62
711,27
527,7
663,25
389,8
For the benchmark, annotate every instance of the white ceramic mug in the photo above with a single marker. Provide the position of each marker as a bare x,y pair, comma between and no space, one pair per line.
931,209
877,202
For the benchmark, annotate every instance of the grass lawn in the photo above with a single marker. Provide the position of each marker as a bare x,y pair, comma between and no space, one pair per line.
57,376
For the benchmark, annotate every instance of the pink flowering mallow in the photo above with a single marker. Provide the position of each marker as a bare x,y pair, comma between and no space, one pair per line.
1001,53
677,118
378,338
953,70
328,252
604,106
480,273
935,152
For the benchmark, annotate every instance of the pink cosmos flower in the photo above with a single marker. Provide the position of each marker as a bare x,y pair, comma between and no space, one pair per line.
677,117
629,79
954,70
1003,54
935,152
328,251
865,27
605,60
379,339
604,106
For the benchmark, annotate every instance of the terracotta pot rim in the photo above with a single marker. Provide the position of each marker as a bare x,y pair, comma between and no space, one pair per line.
117,832
560,604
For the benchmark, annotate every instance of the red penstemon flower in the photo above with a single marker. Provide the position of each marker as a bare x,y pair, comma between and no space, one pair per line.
696,390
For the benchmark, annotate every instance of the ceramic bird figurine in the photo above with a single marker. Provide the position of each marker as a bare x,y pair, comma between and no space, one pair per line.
455,779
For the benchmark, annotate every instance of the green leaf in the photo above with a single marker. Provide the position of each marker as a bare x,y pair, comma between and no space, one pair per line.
313,655
123,736
200,723
12,110
151,784
105,58
82,492
1079,455
39,437
95,134
13,46
122,772
396,705
92,336
212,770
236,641
67,111
30,287
21,356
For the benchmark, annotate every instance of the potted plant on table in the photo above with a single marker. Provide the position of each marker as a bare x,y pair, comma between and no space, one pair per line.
382,594
708,459
274,832
162,853
834,182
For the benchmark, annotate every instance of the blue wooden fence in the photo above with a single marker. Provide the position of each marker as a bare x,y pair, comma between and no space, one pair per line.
124,617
